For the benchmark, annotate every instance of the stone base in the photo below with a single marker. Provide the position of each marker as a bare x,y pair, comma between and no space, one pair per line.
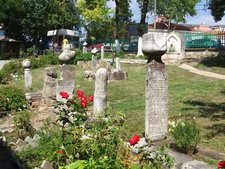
89,75
118,75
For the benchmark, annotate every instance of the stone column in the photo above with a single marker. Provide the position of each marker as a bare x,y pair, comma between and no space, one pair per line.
102,53
100,94
27,74
156,113
94,58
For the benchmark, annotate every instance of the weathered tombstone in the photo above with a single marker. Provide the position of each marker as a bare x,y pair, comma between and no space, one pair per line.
102,53
27,74
118,74
50,81
156,115
94,58
100,94
85,47
175,47
66,81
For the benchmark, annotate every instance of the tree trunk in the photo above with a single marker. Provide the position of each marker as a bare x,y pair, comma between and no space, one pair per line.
116,22
141,28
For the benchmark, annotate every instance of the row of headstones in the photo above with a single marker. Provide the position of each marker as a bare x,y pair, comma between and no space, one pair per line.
156,114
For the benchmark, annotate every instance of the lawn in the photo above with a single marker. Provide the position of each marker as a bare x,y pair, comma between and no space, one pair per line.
190,96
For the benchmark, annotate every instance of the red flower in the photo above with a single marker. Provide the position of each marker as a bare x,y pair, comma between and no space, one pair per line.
64,94
83,98
90,98
134,139
84,103
221,164
80,93
61,152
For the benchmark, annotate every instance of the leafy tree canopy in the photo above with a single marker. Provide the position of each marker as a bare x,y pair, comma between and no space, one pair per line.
217,8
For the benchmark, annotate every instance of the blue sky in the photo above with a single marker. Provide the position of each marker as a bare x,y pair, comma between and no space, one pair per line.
203,14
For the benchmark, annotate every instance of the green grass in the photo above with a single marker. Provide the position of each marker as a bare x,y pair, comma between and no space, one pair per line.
190,95
212,63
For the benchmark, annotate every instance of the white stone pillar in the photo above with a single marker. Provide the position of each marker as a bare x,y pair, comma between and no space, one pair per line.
94,58
27,74
102,53
140,53
118,64
100,94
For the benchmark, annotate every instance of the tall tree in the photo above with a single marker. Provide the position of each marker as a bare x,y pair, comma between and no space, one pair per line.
31,19
95,16
122,17
217,8
143,4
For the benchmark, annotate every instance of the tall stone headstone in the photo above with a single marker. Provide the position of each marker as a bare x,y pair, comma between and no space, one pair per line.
94,58
50,82
156,113
102,53
118,68
66,81
100,94
27,74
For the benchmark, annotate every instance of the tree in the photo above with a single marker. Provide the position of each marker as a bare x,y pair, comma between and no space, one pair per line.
170,10
173,10
95,18
217,8
31,19
144,4
122,17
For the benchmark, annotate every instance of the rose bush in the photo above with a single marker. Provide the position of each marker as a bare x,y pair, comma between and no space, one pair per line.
221,164
134,139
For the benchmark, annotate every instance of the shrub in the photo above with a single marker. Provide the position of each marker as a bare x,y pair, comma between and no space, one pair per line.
80,56
12,98
186,136
22,121
13,68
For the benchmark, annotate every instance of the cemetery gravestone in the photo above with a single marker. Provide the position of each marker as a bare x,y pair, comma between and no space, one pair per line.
27,74
156,115
102,53
66,82
94,58
50,81
85,47
100,94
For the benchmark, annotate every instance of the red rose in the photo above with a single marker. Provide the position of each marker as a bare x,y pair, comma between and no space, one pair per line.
61,152
90,98
134,139
84,103
83,98
80,93
64,94
221,164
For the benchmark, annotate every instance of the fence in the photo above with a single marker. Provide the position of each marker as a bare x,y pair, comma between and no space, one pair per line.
191,40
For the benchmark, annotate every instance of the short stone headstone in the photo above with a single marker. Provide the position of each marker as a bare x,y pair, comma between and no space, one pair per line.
156,99
196,165
66,82
118,74
85,47
94,58
100,93
50,81
46,165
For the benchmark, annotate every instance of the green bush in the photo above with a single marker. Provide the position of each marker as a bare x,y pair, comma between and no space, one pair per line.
12,98
186,136
13,68
80,56
22,121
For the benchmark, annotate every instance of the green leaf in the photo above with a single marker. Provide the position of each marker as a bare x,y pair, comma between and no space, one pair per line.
79,164
135,166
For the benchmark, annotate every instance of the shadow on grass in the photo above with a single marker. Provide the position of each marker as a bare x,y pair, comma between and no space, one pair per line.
213,111
216,129
218,61
223,92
